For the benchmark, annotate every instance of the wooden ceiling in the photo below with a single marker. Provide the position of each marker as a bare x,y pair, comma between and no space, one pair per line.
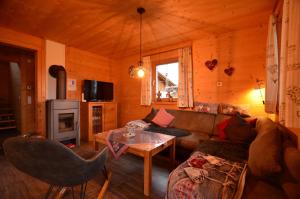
111,27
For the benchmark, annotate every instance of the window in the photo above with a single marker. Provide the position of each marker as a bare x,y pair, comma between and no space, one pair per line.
166,80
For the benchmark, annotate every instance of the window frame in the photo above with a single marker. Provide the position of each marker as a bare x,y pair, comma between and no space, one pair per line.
154,64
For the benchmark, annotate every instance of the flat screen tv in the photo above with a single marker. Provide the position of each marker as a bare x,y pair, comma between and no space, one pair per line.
98,90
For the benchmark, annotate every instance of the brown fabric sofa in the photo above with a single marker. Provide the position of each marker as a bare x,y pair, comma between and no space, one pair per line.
202,126
283,184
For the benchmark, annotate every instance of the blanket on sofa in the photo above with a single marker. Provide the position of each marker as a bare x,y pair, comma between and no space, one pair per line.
168,131
207,176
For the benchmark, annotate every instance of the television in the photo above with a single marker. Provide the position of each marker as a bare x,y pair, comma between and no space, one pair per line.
98,90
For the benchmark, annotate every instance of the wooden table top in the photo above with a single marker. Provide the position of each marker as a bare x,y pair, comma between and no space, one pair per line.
145,141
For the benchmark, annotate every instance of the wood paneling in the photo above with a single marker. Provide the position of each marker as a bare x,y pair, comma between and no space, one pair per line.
82,65
243,49
111,28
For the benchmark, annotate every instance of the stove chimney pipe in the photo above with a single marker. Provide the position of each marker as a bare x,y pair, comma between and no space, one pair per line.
59,73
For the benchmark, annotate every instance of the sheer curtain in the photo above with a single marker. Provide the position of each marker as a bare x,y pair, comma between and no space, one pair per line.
289,98
185,80
146,88
272,68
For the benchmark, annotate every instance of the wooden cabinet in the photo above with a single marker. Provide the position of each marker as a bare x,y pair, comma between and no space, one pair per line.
96,117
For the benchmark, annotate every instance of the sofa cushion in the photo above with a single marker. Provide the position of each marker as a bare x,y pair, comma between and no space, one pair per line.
191,141
291,159
150,116
265,125
221,129
238,130
193,121
292,190
219,119
265,153
258,189
163,118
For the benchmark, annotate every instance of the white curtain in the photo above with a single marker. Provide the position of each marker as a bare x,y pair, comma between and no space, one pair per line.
185,80
271,97
289,98
146,88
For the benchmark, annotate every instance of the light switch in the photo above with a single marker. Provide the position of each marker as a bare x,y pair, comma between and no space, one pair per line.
29,101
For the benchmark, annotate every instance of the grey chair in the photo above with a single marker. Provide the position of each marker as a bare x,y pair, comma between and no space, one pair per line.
55,164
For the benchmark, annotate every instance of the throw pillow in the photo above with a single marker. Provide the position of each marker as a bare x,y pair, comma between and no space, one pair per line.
238,130
252,121
163,118
221,129
150,116
265,154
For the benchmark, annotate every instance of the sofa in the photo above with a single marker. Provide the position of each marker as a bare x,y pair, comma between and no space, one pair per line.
201,126
263,179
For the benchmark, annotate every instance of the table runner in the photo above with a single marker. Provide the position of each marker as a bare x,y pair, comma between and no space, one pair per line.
116,148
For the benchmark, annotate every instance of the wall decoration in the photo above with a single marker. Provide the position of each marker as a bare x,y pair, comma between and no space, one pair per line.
211,64
229,70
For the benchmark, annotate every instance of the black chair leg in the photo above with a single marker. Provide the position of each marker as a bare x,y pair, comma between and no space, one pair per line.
82,190
49,191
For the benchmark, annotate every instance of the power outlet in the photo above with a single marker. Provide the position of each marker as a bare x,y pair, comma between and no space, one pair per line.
219,83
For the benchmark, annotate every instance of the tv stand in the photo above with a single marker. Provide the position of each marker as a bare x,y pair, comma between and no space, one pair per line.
97,117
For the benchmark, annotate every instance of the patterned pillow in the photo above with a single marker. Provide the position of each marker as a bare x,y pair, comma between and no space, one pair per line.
229,109
206,107
163,118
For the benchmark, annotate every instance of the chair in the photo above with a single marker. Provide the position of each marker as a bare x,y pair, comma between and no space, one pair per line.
55,164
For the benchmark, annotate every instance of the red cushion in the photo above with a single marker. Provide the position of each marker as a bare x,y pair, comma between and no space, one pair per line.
163,118
221,127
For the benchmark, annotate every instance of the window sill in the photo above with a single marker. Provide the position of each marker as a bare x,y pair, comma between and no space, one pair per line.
165,103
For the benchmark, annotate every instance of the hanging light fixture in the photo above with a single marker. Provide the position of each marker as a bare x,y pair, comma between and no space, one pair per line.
139,70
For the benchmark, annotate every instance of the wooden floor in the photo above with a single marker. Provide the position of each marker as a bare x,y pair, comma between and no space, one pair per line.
127,181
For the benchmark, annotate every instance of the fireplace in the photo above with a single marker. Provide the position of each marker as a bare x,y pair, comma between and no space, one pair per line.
63,121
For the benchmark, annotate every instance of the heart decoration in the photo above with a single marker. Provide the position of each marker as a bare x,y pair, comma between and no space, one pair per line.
211,64
229,70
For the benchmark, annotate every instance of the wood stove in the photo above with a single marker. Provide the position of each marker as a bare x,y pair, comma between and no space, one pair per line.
63,121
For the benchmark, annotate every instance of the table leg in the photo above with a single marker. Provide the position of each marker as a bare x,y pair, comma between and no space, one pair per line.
96,145
147,173
172,154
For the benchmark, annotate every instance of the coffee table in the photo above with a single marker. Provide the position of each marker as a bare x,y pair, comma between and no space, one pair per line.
144,144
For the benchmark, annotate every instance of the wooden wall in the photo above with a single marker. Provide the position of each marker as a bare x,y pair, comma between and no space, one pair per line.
243,49
82,65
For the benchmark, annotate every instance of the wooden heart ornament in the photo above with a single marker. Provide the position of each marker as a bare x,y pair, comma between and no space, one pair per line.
229,70
211,64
